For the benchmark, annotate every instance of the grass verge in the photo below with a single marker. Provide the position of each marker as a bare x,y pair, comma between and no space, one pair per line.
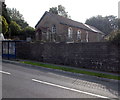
102,75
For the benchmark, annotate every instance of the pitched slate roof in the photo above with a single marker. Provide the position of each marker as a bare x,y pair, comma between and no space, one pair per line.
71,23
93,28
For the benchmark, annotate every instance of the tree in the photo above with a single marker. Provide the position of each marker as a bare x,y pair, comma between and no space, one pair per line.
105,24
17,17
3,25
14,29
53,10
5,19
60,10
27,32
5,13
114,37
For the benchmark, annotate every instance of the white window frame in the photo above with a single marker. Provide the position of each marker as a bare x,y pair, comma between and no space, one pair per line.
87,36
78,35
54,29
70,32
47,33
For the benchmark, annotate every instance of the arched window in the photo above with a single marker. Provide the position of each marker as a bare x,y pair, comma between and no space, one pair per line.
53,29
70,31
53,34
87,36
79,35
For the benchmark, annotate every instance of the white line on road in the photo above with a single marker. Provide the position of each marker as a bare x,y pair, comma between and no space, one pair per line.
71,89
5,72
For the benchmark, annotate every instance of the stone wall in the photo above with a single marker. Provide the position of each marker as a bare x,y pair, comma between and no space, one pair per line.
98,56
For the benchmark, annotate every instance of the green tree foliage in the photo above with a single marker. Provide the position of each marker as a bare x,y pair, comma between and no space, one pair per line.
27,32
3,25
14,29
114,37
17,17
105,24
53,10
5,13
13,24
60,10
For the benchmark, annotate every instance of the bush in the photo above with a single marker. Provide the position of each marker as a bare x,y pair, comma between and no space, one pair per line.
114,37
27,32
3,25
14,28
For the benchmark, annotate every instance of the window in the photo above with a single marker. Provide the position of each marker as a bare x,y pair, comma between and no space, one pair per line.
47,33
78,35
53,34
87,37
53,29
70,32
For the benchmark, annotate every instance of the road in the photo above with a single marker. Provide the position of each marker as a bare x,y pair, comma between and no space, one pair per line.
25,82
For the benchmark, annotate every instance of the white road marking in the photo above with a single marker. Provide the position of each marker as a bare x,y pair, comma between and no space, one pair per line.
71,89
5,72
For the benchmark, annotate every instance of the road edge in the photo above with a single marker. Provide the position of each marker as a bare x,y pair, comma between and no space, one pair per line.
56,70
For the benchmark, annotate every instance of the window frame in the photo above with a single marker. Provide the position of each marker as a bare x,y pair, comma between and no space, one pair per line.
70,32
87,36
53,29
79,34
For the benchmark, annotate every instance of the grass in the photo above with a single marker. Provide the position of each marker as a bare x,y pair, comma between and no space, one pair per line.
102,75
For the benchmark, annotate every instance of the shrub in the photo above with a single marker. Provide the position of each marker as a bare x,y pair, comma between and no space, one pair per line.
114,37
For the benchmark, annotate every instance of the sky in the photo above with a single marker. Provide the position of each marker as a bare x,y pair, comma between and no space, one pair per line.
79,10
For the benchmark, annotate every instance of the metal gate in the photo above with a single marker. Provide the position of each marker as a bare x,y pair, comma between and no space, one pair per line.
9,49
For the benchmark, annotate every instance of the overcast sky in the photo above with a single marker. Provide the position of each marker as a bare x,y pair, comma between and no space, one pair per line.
79,10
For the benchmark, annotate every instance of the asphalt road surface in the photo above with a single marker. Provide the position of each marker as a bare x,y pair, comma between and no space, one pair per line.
24,82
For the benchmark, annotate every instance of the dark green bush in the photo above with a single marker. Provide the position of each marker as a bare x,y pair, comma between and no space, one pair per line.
114,37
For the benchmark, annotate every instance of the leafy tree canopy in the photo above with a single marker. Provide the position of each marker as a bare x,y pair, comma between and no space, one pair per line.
114,37
17,17
105,24
27,32
14,28
5,13
53,10
13,25
3,25
60,10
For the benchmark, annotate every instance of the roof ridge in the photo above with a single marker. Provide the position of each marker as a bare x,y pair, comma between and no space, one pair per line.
71,22
64,17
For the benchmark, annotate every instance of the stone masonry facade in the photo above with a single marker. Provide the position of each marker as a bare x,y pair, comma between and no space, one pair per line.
55,28
97,56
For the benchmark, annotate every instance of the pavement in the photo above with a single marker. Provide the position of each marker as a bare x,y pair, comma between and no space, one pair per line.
25,81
